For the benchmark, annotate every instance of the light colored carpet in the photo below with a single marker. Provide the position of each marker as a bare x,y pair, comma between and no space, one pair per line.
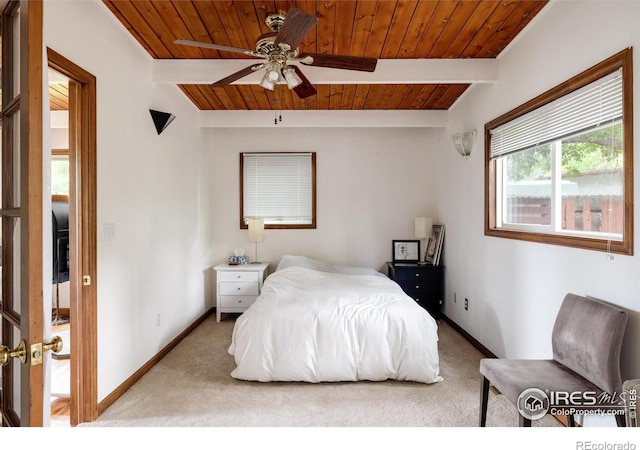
191,387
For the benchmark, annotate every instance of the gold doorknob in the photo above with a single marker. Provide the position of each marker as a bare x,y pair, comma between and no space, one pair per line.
55,345
19,352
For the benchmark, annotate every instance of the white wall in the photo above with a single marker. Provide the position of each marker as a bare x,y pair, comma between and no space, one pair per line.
515,288
153,189
371,184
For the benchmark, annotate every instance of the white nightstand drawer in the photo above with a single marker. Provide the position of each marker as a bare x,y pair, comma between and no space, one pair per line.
236,301
238,288
238,276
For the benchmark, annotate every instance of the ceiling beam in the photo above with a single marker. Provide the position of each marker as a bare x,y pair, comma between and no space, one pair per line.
388,71
325,119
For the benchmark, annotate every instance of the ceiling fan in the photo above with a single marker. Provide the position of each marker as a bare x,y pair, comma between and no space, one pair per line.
281,47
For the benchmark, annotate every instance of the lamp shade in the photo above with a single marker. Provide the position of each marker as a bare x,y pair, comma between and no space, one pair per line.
256,230
463,142
423,227
291,77
267,83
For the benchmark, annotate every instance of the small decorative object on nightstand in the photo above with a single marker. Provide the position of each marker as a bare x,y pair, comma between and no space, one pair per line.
238,286
423,283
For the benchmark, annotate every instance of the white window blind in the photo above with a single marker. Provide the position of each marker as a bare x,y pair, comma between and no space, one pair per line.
278,187
592,106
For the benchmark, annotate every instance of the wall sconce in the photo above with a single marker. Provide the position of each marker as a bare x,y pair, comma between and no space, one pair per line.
423,228
161,120
256,234
463,142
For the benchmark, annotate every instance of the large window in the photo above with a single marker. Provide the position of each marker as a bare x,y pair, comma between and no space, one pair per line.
559,169
279,188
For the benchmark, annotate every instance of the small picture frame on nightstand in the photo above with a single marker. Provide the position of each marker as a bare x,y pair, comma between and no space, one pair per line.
407,251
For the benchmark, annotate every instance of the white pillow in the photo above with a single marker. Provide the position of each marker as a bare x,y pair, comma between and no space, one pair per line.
308,263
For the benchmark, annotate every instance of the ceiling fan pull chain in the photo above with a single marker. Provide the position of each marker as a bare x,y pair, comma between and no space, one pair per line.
275,117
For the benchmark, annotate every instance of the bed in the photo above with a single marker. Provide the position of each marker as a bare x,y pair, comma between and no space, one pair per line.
317,322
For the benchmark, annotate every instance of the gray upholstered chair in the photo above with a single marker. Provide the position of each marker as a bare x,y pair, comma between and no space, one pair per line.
586,342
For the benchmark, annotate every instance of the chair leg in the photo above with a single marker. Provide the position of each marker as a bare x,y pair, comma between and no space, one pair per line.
484,399
621,420
571,420
524,422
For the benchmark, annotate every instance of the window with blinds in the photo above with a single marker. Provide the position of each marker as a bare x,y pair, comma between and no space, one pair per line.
279,188
559,168
594,106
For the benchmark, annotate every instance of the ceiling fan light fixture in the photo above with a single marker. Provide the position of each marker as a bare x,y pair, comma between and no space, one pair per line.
267,83
273,72
291,77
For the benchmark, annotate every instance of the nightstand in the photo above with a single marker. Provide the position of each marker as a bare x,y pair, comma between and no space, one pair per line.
238,286
423,283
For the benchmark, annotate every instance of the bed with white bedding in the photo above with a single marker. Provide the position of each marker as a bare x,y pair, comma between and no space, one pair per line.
317,322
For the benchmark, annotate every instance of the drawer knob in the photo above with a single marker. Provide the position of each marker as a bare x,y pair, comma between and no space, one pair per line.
238,289
417,286
417,275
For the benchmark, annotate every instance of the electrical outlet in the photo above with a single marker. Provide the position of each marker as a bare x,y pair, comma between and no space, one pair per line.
466,304
158,321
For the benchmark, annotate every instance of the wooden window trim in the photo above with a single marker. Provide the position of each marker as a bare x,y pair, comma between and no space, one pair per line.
312,225
621,60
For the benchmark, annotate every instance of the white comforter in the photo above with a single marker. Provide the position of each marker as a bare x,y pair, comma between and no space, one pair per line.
315,326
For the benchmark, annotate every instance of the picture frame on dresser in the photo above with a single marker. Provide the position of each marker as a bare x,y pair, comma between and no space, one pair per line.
434,246
406,251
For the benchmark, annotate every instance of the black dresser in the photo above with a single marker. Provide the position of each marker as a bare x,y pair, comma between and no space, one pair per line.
423,283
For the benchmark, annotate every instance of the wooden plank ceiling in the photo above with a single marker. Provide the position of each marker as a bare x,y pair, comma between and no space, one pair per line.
58,96
381,29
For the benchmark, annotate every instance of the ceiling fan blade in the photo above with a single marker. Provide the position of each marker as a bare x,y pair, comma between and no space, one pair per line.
295,27
236,76
224,48
339,62
305,89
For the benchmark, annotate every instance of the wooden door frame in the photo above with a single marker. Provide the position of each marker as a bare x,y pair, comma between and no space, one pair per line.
31,110
26,104
82,237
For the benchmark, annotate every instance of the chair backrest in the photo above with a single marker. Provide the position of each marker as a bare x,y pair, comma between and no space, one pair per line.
587,338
